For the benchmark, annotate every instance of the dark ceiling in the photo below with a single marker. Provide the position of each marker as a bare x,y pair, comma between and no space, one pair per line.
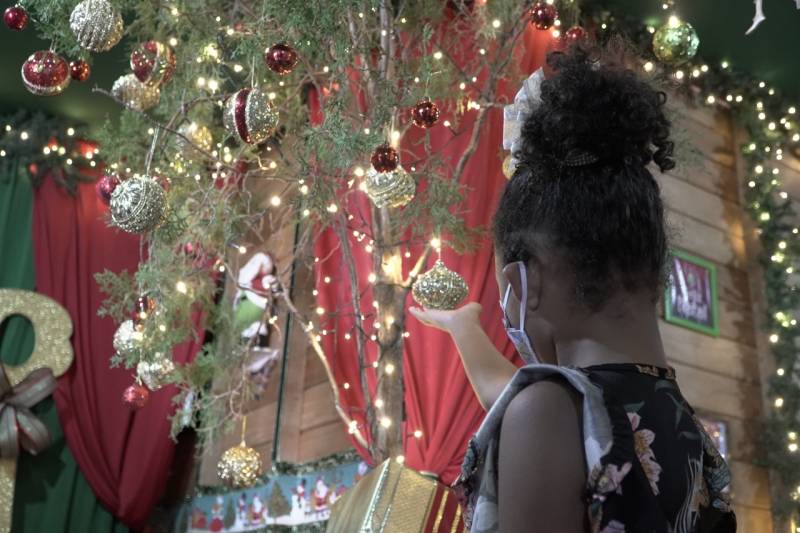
770,53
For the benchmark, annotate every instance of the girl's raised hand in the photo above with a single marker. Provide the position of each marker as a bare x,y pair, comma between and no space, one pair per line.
449,320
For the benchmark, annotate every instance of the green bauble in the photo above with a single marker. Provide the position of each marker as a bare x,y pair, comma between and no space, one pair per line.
675,42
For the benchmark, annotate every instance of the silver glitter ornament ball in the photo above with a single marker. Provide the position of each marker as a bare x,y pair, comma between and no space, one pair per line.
155,373
127,339
439,288
390,189
138,205
97,25
239,466
134,94
250,117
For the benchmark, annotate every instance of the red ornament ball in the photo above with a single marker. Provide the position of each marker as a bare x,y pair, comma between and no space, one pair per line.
281,58
543,15
385,158
16,18
135,396
575,34
79,70
106,185
425,113
45,73
153,63
144,306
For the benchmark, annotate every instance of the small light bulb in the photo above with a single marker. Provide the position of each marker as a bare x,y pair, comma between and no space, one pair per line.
276,200
181,287
320,310
648,67
243,249
389,368
386,422
496,23
437,55
418,433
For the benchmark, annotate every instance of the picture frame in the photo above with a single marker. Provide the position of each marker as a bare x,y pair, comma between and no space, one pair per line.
690,297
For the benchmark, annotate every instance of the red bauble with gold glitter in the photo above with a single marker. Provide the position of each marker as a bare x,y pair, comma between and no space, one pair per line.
135,396
576,34
281,58
543,15
79,70
16,18
153,63
106,185
45,73
425,113
385,158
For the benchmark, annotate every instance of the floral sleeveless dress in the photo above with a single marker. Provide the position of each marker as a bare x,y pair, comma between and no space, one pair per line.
652,467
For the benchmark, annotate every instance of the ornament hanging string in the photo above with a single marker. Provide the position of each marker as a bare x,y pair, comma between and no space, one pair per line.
150,153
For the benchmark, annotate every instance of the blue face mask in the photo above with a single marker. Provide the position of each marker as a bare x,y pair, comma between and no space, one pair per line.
518,336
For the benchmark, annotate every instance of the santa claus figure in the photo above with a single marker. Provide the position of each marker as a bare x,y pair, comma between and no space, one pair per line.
216,516
320,495
258,283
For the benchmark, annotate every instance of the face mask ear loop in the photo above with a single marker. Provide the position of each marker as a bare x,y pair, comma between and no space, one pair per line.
523,302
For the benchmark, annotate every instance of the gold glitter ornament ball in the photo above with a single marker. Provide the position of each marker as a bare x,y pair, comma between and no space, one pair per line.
127,339
156,372
97,25
134,94
390,189
509,166
675,42
200,137
439,288
138,205
250,117
239,466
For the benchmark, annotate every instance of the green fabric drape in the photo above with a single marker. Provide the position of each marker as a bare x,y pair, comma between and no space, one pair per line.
51,493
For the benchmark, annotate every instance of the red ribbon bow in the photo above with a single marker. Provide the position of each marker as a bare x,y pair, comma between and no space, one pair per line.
19,427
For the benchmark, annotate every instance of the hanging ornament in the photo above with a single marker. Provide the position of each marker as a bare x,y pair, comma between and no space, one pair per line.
97,25
156,372
144,307
439,288
79,70
153,63
135,396
385,158
138,205
509,166
239,466
45,73
543,15
15,17
281,58
250,117
675,42
127,339
134,94
200,137
106,185
425,113
576,34
390,189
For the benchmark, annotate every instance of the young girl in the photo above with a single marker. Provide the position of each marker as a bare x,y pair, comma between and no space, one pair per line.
593,434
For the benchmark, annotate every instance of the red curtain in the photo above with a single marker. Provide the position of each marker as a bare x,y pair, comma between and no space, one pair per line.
124,455
439,399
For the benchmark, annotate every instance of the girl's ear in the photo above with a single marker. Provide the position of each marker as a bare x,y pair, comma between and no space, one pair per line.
513,273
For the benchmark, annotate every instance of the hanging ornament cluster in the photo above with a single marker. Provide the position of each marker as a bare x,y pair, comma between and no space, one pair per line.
45,73
79,70
200,137
153,63
385,158
281,58
16,17
156,372
239,466
425,113
134,94
138,205
135,396
439,288
675,42
97,25
106,185
127,339
250,117
390,189
543,15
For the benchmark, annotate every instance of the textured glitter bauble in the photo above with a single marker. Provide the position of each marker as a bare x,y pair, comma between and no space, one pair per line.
239,466
79,70
16,17
155,373
153,63
439,288
575,34
385,158
390,189
675,42
134,94
127,339
200,137
105,186
45,73
543,15
509,166
249,116
138,205
97,25
425,113
281,58
135,396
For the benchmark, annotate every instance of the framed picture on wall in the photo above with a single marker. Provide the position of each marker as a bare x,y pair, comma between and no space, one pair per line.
690,299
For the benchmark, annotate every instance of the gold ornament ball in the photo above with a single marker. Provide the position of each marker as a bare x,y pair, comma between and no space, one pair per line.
138,205
97,25
134,94
156,372
439,288
200,137
239,466
127,339
249,116
509,166
675,42
395,188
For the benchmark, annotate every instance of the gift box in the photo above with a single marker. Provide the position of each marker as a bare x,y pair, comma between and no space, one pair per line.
396,499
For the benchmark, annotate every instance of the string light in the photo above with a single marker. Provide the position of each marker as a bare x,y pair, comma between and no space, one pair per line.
181,287
389,368
276,200
386,422
417,433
